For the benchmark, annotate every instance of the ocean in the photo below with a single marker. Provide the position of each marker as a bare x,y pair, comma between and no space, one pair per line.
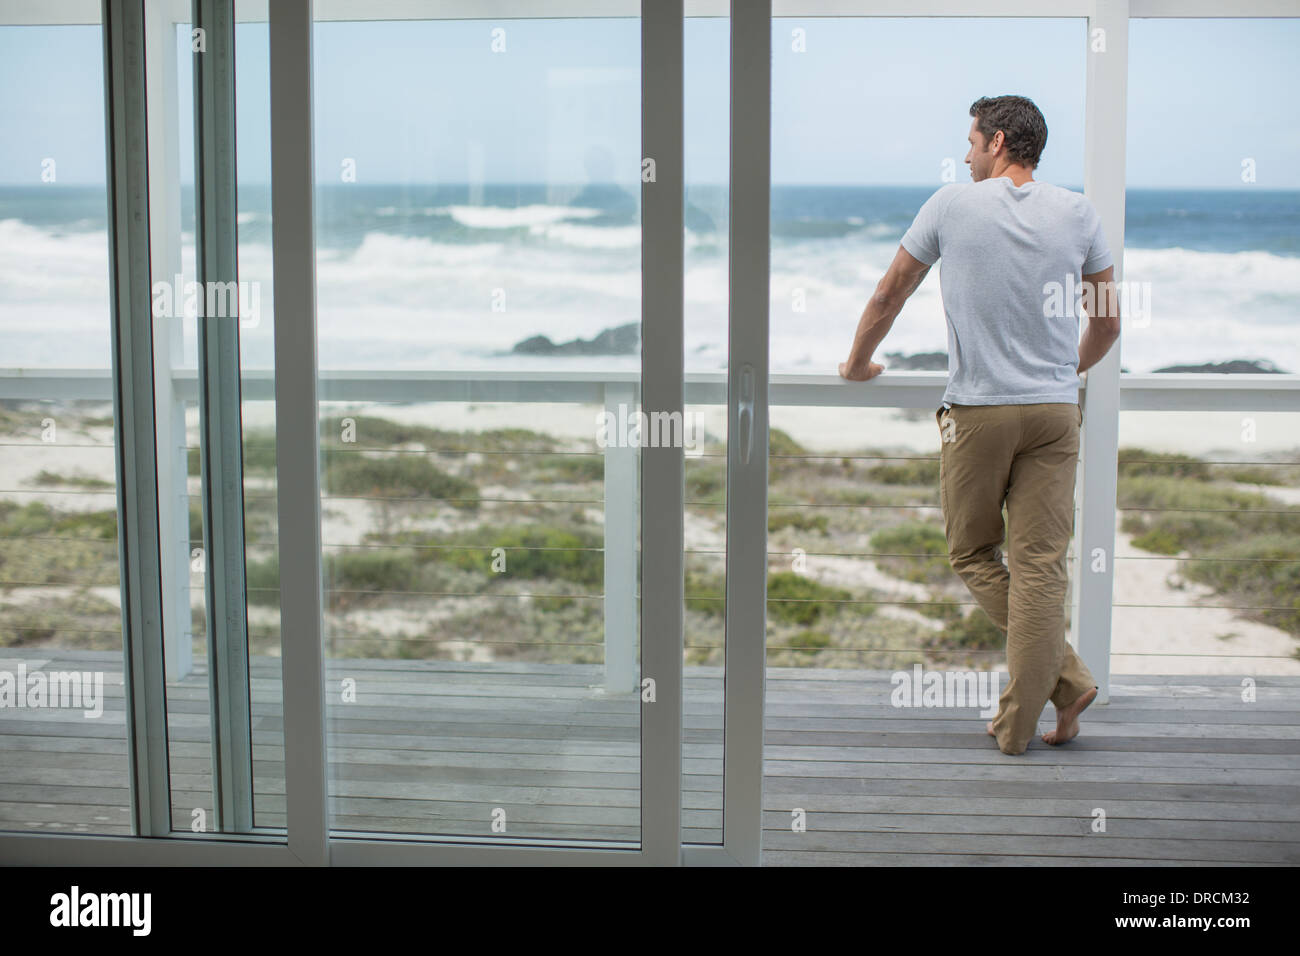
454,276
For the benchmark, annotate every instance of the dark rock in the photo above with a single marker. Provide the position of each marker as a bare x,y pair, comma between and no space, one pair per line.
623,340
537,345
917,362
1235,366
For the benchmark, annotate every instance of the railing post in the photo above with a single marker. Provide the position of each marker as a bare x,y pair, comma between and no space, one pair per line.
622,506
1106,117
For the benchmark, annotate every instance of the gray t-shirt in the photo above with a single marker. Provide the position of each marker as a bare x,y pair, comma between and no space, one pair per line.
1005,250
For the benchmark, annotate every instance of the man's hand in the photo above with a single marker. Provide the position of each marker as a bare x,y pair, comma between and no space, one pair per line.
860,375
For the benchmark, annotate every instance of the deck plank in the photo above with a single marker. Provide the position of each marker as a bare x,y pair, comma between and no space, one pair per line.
1187,773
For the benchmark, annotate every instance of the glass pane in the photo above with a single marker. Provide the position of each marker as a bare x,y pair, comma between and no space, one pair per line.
1212,224
478,249
180,495
1207,552
859,585
257,361
63,745
708,153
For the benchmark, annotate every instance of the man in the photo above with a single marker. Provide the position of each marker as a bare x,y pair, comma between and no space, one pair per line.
1014,250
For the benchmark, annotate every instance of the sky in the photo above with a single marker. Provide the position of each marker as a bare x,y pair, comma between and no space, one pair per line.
875,101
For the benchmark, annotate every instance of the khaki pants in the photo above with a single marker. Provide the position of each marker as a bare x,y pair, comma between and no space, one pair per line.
1025,456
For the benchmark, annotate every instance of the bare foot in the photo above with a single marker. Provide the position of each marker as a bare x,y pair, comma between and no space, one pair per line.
989,728
1067,721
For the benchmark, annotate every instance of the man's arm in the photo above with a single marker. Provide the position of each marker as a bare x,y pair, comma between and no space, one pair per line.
900,280
1101,303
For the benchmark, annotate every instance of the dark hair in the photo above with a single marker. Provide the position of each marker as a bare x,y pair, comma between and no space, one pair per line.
1024,130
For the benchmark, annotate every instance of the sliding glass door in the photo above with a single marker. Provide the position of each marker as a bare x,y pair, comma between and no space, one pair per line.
408,434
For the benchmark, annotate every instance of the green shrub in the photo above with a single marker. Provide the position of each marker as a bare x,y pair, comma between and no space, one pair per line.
810,640
262,578
940,610
375,432
798,520
1199,515
370,431
94,524
396,476
46,478
259,450
80,620
575,468
18,521
795,599
1155,493
863,497
29,554
780,443
706,593
975,631
258,453
914,551
1252,474
784,456
1175,531
706,481
1158,541
1261,571
370,570
531,551
914,471
38,518
506,439
1139,462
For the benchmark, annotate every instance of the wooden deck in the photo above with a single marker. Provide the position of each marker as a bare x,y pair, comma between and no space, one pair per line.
1185,772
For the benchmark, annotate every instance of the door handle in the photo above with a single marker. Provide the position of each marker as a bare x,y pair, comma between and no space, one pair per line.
745,408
